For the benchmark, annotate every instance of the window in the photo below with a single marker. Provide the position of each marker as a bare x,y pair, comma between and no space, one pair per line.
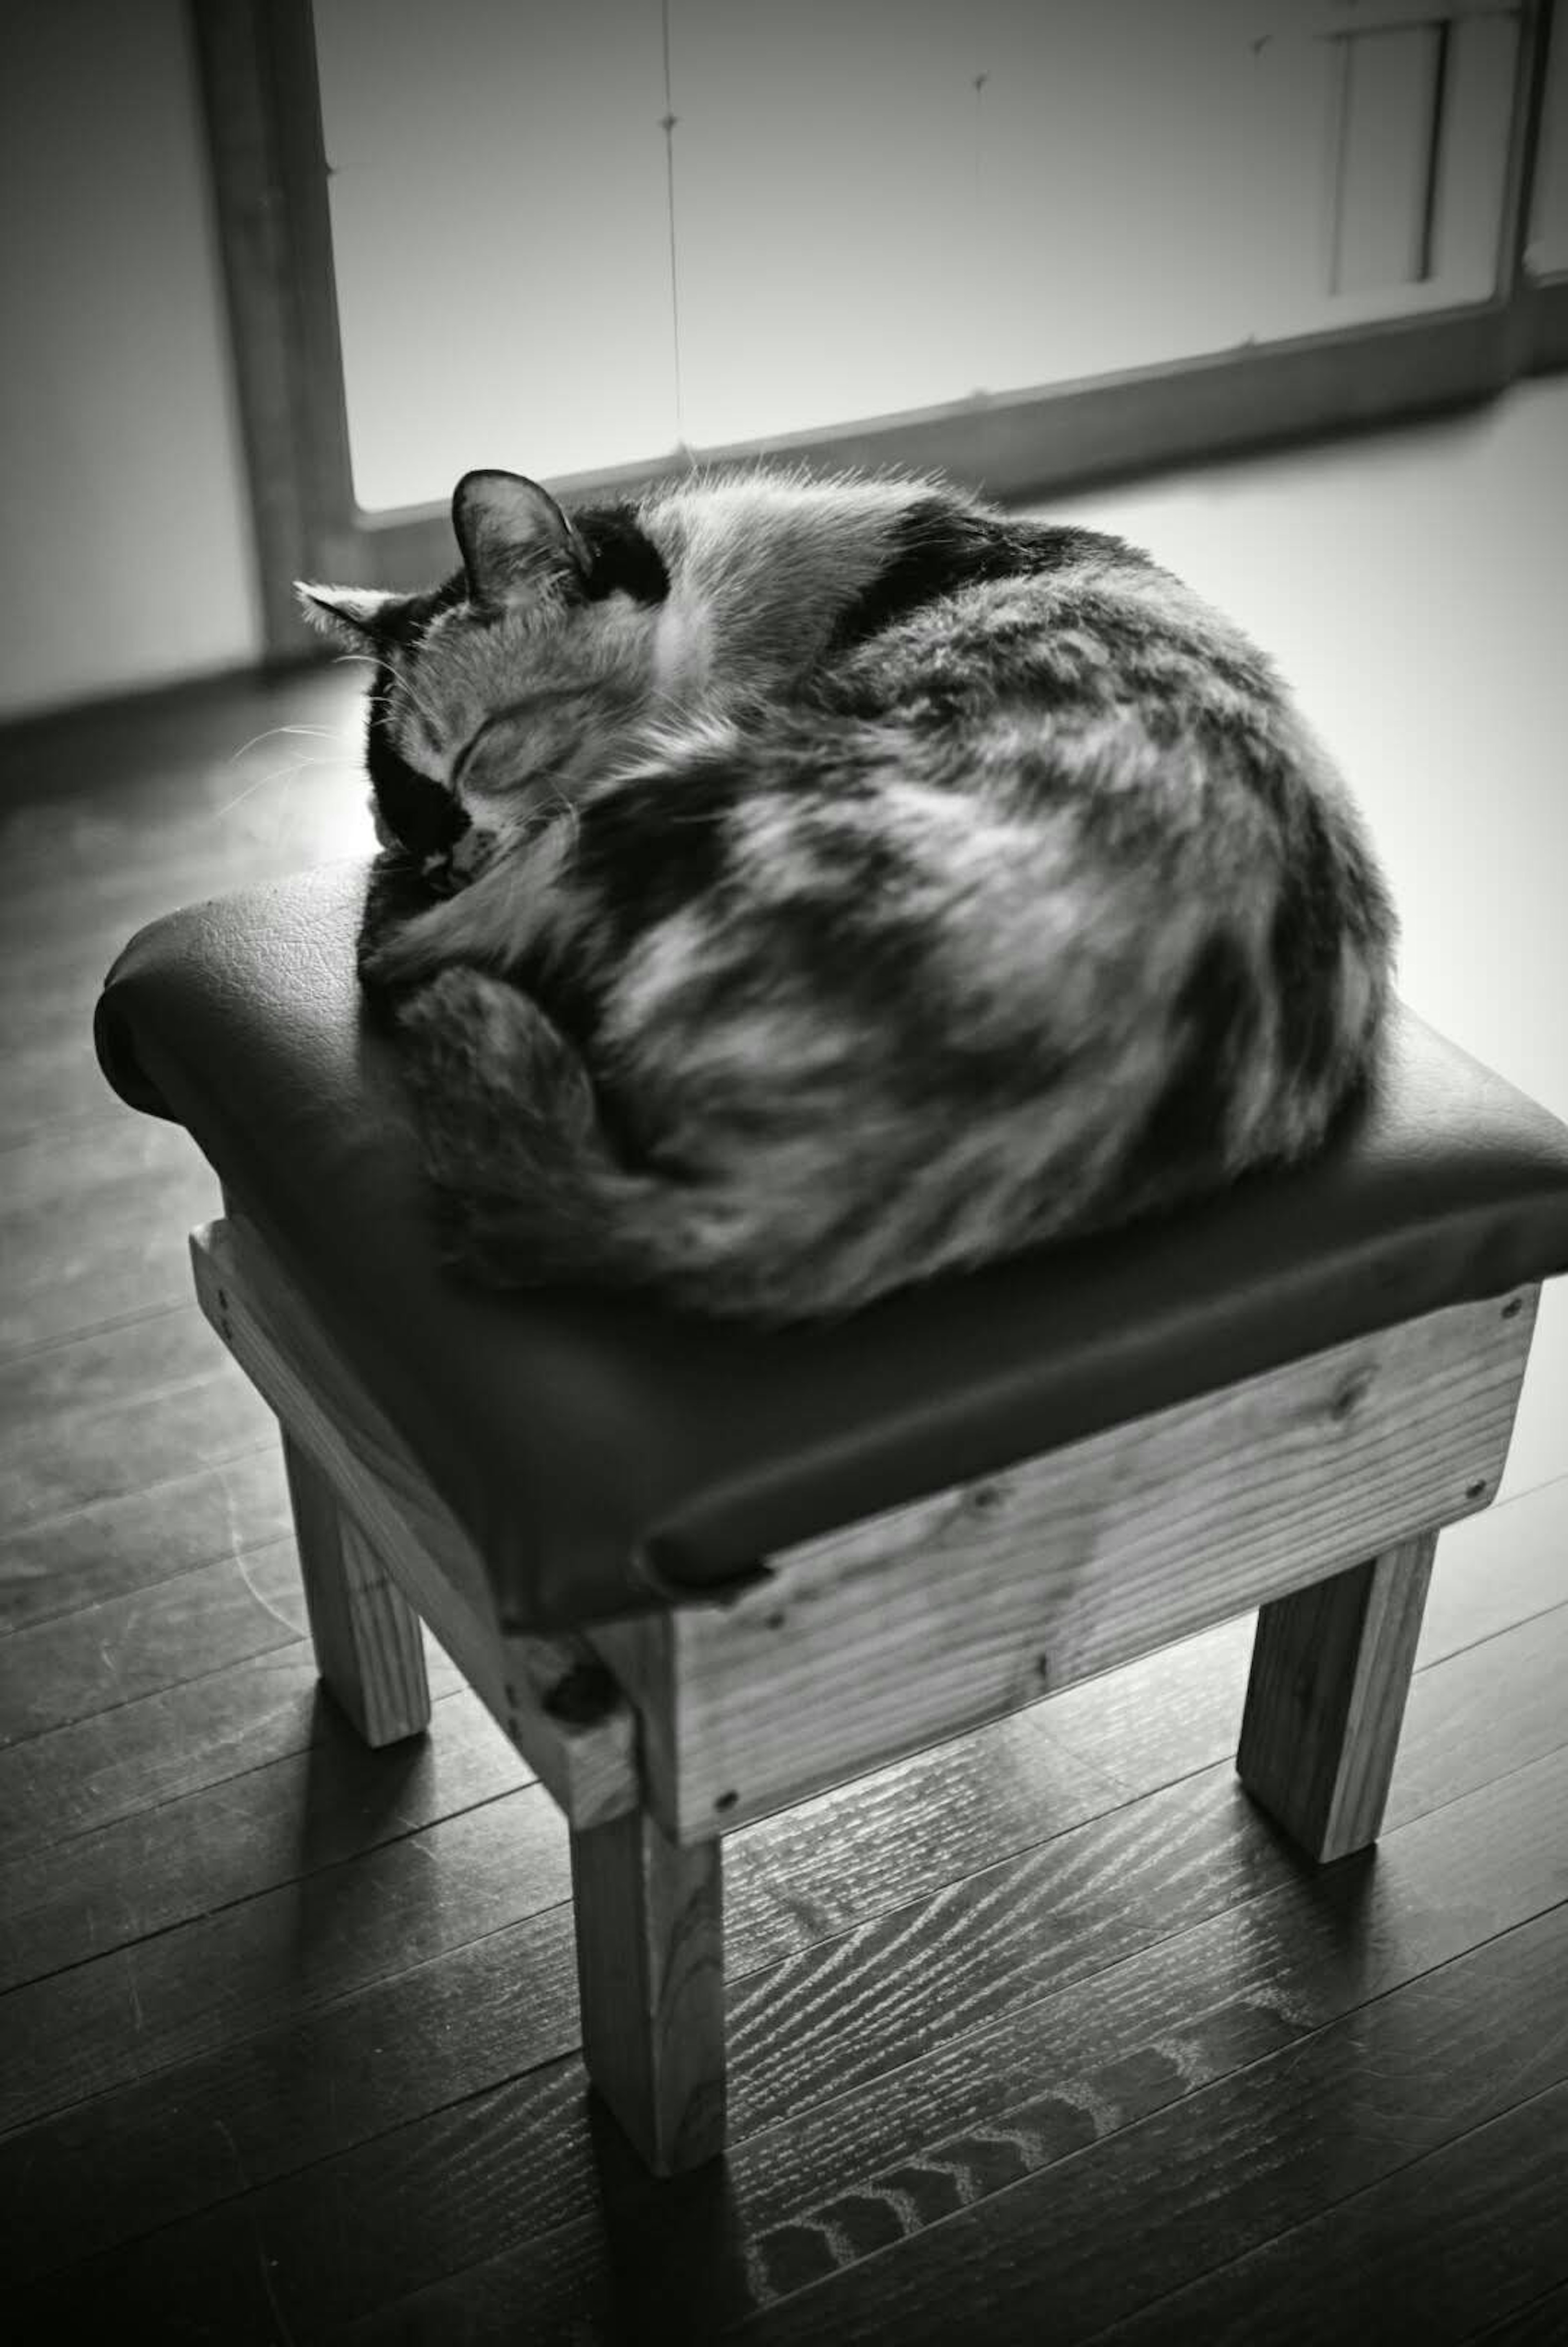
1026,239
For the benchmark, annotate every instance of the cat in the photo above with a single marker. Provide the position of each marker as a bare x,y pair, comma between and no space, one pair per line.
795,890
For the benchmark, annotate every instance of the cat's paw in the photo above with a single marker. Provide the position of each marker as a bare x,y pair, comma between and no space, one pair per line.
411,951
395,894
384,972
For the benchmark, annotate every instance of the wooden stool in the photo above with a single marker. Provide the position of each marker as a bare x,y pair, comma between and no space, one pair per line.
700,1574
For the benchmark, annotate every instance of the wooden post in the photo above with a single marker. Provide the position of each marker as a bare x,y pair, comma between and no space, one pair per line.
1330,1671
370,1648
650,1975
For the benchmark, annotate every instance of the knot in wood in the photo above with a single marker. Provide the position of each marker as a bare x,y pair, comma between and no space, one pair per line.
582,1697
1350,1394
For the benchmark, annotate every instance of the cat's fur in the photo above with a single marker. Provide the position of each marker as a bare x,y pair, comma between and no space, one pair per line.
796,889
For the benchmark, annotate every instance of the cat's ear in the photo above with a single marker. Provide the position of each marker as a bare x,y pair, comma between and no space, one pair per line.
350,615
513,536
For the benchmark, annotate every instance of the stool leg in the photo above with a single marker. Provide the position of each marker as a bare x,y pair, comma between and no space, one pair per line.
369,1646
1330,1670
650,1975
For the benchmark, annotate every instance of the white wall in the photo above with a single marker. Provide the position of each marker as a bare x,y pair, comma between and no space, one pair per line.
125,552
1414,588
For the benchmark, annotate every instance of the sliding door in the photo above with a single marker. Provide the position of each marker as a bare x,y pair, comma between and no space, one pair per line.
1025,239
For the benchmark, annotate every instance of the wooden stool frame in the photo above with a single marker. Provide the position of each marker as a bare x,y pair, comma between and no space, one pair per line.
1313,1493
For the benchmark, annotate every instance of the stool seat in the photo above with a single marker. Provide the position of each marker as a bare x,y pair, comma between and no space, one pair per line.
606,1455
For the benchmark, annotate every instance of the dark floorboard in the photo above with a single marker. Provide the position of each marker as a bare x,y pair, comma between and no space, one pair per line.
1499,2189
105,1549
1153,2205
1045,2035
1542,2323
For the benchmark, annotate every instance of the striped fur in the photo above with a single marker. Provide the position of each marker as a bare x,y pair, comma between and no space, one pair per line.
796,889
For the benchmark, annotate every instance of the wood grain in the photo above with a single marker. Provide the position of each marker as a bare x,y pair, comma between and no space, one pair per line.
277,1957
370,1648
151,2152
138,1541
268,2104
130,1648
997,1933
200,1732
1223,2171
197,1852
1330,1672
105,1416
1366,2271
1542,2323
1178,1710
510,2201
650,1977
137,1184
924,1622
1133,1731
581,1751
1494,1571
1456,1697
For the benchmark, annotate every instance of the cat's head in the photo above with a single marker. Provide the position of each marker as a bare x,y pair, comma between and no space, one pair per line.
524,671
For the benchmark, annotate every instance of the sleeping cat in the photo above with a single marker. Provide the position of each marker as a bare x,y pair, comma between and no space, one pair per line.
798,889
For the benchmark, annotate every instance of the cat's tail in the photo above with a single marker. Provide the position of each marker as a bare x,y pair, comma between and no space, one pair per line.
533,1190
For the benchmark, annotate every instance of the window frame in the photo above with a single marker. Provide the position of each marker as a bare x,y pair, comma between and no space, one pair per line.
261,99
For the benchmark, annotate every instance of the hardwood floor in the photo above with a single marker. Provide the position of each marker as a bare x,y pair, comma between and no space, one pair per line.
1044,2034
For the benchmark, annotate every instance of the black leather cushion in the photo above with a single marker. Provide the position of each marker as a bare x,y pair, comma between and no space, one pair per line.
606,1454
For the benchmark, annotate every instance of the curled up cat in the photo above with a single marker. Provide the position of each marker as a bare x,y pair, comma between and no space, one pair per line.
793,890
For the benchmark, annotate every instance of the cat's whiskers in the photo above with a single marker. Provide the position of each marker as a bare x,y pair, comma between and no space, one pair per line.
316,733
285,772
